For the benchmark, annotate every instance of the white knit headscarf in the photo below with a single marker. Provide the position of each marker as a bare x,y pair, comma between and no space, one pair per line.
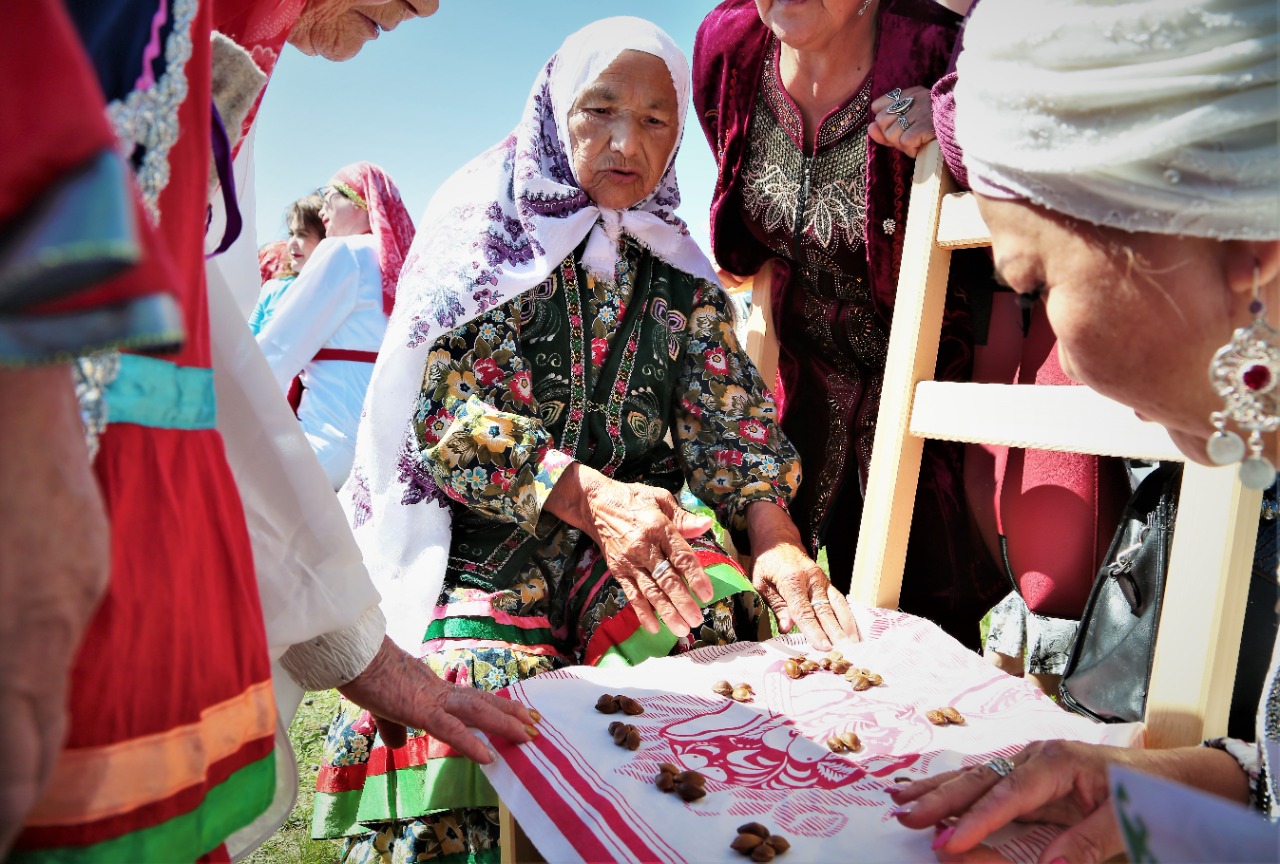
1158,116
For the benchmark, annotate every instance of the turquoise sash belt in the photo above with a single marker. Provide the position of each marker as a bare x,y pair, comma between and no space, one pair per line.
162,395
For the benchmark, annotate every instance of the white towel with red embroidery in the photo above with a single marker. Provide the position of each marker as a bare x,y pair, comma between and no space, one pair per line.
581,798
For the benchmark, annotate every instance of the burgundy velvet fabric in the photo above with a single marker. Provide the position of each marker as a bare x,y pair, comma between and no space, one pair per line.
949,578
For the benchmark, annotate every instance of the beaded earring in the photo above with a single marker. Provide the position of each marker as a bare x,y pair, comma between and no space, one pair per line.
1245,373
865,5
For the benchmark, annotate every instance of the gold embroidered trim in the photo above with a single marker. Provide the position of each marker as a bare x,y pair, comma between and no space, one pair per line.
355,196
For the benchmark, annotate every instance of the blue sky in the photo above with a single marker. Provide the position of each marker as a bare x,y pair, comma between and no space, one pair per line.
422,100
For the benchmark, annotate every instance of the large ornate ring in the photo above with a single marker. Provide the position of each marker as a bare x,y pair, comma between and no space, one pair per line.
1001,765
900,106
661,569
904,122
894,95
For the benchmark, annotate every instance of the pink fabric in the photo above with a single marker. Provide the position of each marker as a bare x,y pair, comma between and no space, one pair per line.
273,260
388,218
147,78
580,797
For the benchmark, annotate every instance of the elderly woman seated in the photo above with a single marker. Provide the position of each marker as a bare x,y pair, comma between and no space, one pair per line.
1150,228
556,327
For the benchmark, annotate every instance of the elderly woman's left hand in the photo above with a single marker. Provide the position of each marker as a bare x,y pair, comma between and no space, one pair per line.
399,690
791,583
907,130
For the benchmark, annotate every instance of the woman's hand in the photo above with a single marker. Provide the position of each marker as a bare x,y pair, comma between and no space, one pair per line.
791,583
638,527
400,691
1060,782
54,567
887,128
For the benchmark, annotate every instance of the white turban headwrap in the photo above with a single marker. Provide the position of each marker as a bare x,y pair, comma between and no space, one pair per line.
1158,116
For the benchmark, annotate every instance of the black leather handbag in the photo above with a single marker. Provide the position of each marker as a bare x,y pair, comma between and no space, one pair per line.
1110,666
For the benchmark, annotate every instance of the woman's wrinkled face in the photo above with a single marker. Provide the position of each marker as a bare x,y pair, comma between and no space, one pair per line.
622,130
803,23
302,242
341,216
338,29
1138,317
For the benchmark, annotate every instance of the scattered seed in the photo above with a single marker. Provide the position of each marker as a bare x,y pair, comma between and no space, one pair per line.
630,706
793,670
763,852
937,718
724,688
607,704
690,791
745,842
753,828
779,843
952,715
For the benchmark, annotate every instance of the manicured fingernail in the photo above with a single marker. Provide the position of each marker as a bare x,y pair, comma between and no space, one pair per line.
537,718
942,838
531,731
493,754
898,812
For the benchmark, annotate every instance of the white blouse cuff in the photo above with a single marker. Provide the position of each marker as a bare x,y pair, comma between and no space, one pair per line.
336,658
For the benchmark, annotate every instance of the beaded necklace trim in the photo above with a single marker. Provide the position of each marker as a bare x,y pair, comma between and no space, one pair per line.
834,126
148,119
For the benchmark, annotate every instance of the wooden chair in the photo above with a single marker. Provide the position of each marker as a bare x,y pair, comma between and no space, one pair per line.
1208,583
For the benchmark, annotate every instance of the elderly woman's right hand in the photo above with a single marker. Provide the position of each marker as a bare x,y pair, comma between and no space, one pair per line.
1059,782
637,527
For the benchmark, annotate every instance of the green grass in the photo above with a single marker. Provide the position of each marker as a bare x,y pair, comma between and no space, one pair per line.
292,844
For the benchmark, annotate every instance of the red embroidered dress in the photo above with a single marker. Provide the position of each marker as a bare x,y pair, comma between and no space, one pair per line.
170,742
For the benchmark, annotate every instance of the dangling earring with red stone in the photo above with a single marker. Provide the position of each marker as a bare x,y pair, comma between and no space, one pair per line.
1246,374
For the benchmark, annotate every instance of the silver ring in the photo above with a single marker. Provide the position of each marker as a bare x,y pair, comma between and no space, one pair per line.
902,105
999,764
660,569
904,122
819,602
894,95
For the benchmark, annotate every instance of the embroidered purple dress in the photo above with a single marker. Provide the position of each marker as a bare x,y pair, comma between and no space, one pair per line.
831,216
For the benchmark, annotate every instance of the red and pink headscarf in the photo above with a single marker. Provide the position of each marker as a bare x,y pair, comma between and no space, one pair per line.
372,189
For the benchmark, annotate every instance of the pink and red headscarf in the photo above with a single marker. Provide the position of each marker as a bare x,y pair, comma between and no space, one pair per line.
372,189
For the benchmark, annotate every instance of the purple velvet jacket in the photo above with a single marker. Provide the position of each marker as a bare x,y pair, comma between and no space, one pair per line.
914,45
914,42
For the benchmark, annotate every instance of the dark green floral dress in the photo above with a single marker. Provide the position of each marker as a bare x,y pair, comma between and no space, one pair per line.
643,380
